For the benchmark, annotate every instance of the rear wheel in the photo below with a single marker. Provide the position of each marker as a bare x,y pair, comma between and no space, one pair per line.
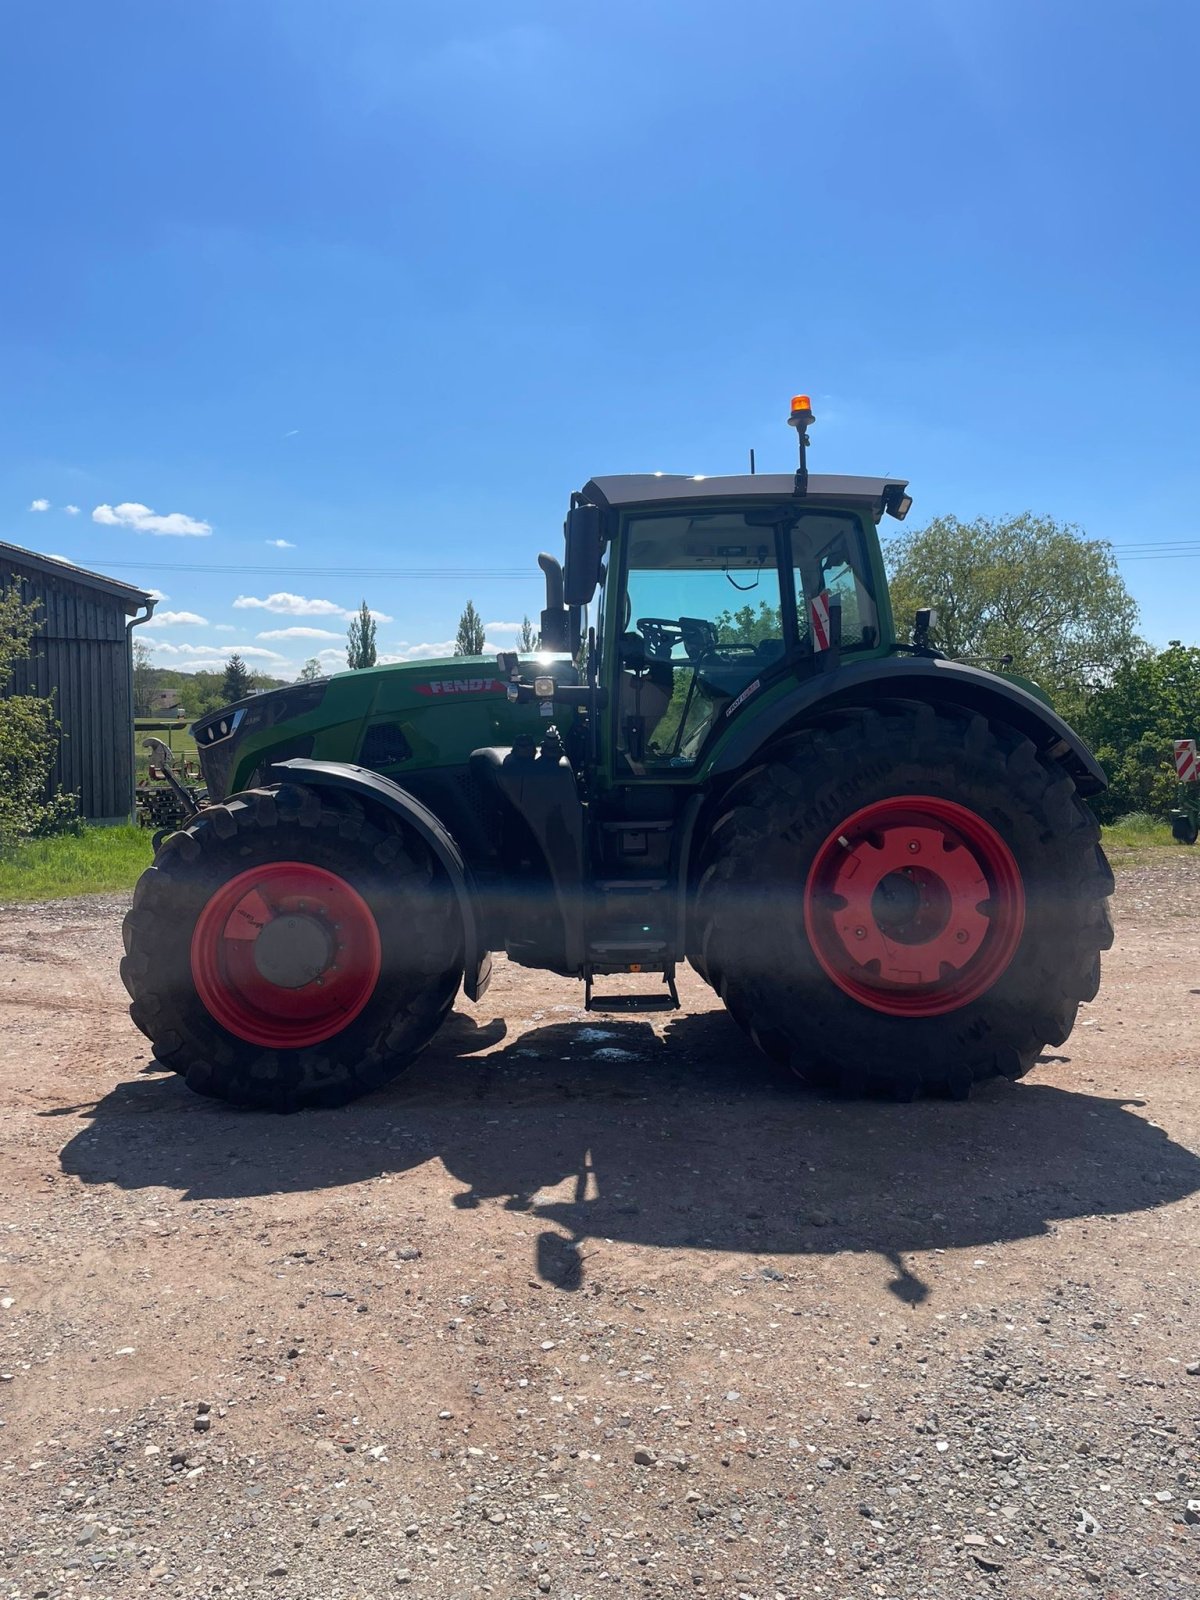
287,950
905,901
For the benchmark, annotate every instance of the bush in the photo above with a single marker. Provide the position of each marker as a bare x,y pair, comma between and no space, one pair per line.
1130,720
28,741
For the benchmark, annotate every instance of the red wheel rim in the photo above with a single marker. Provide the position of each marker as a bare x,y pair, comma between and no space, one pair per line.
914,906
285,955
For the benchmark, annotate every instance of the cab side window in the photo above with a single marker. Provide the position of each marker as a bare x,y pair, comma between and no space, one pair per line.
834,574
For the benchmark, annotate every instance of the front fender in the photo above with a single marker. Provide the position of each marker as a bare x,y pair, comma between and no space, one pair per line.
912,678
373,789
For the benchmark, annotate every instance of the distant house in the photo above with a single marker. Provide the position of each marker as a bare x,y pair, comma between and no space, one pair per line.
165,703
83,657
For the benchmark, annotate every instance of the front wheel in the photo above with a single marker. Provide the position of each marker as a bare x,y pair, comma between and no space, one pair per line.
904,901
287,950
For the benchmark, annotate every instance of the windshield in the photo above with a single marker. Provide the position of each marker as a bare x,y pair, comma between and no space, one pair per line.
706,618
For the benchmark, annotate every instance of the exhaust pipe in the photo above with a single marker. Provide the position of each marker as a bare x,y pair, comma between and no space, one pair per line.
554,617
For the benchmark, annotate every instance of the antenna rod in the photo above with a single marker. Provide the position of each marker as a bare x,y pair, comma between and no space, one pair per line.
751,460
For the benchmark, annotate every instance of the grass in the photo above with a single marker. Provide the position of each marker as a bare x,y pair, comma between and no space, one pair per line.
1137,831
97,861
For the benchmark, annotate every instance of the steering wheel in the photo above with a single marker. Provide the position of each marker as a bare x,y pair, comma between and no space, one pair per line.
661,634
697,635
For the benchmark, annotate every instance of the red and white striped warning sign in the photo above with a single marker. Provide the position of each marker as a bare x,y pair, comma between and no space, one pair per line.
818,608
1185,761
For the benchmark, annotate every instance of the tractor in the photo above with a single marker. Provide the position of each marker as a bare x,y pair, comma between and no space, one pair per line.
881,859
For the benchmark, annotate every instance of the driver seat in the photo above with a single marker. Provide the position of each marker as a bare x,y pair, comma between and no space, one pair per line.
644,689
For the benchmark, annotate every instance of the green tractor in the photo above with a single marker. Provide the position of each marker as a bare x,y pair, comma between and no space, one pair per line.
880,859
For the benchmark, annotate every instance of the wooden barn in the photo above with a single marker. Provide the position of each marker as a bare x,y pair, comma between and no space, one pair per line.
83,657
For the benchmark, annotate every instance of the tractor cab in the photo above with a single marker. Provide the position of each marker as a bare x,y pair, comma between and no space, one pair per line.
714,591
709,593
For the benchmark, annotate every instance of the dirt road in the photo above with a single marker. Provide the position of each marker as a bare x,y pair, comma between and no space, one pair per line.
585,1307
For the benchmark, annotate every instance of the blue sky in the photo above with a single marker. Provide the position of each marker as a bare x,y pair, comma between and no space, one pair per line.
295,285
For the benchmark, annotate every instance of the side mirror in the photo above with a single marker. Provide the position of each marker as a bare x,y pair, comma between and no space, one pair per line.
585,545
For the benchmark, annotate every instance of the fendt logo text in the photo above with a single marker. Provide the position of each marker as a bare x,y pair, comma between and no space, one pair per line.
461,686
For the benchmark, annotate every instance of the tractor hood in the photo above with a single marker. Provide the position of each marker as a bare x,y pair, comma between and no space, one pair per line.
408,717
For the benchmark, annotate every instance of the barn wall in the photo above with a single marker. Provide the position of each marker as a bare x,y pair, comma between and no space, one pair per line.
81,658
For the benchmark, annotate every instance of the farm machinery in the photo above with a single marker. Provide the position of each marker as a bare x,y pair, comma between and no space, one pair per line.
1185,818
723,753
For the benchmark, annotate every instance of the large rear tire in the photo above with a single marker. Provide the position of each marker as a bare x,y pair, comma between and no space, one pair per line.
903,901
288,950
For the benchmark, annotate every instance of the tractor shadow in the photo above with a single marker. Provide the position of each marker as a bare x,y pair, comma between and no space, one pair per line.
606,1131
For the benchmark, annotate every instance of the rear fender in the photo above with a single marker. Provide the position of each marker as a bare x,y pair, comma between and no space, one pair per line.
373,789
912,678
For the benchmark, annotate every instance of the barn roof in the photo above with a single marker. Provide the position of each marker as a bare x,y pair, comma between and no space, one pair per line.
51,566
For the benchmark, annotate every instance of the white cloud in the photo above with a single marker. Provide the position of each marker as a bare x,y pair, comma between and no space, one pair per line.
224,627
250,651
176,619
299,633
280,544
297,605
422,652
72,511
131,514
502,627
429,652
290,605
39,505
157,594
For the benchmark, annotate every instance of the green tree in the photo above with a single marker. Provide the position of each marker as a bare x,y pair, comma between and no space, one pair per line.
143,686
360,647
1131,720
28,738
236,683
1030,587
527,638
469,640
749,625
310,670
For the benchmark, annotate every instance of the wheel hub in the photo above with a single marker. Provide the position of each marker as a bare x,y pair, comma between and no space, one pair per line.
293,950
914,906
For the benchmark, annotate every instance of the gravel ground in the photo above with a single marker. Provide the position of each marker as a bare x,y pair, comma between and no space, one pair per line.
585,1307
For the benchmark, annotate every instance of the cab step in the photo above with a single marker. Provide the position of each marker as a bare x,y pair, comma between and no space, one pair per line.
652,1001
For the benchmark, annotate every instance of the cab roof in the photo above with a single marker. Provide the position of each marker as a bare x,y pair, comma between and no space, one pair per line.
660,488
